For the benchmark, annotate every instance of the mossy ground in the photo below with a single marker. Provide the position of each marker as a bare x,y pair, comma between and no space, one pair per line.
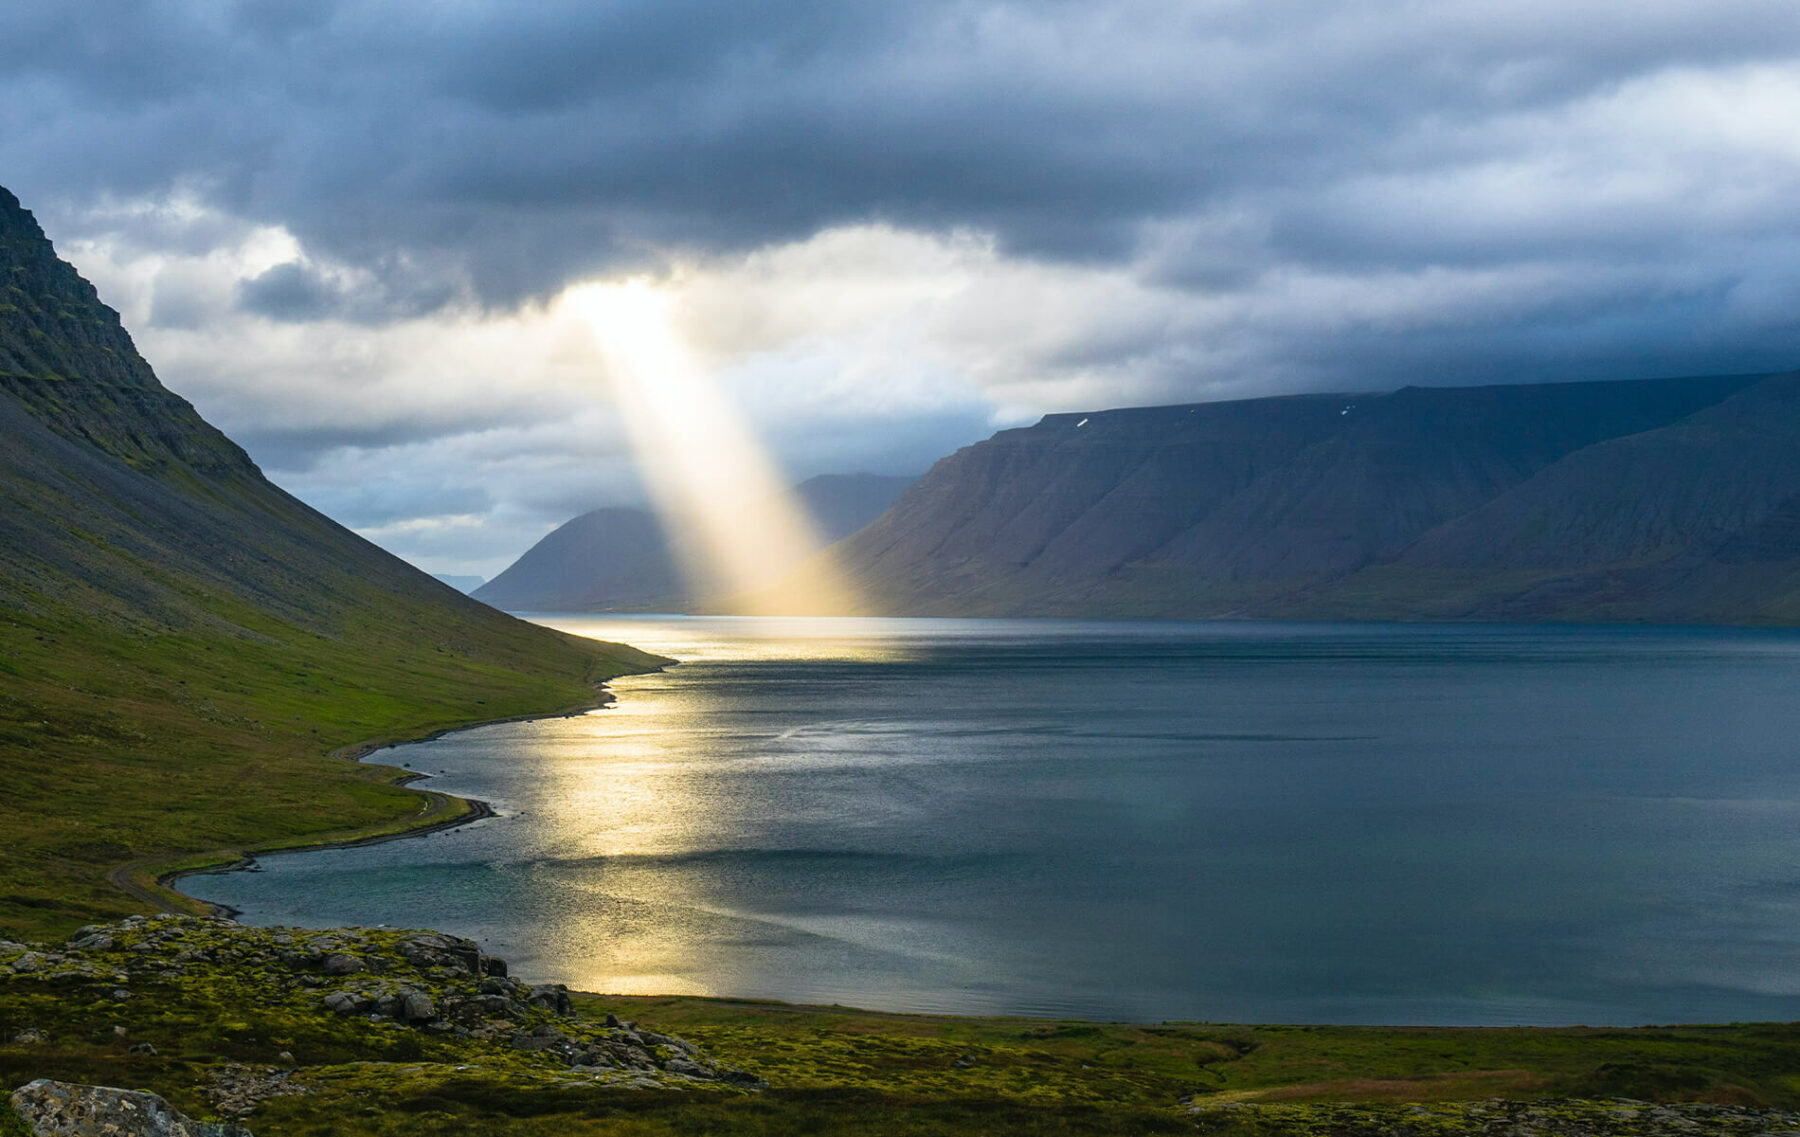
1032,1060
833,1070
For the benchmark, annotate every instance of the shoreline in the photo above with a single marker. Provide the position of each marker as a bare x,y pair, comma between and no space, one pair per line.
477,810
154,879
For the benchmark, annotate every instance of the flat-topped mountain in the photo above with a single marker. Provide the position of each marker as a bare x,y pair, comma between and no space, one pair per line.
620,559
181,641
1671,500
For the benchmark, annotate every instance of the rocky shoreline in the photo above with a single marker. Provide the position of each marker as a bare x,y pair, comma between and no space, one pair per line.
424,995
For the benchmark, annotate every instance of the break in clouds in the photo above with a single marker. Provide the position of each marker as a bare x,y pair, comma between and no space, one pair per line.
342,231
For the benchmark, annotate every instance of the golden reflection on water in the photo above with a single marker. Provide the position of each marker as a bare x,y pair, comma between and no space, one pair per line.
855,639
626,800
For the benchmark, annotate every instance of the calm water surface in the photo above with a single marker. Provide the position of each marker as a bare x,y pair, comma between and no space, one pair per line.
1234,822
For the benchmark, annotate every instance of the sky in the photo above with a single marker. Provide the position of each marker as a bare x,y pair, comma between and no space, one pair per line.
348,232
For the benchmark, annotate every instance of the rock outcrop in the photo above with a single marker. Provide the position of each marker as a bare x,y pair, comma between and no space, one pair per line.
66,1109
458,1002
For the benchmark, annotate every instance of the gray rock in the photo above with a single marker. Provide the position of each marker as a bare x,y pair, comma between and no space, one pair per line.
29,962
553,997
342,1002
340,964
534,1042
29,1038
94,941
142,1048
634,1056
688,1067
66,1109
416,1006
433,949
679,1045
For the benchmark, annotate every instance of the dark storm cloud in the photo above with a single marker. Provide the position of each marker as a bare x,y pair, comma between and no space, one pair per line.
291,292
294,292
499,150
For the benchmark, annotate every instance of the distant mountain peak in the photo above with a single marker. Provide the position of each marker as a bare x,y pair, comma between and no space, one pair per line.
618,558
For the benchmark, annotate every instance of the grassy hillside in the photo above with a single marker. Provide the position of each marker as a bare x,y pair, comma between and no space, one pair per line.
182,644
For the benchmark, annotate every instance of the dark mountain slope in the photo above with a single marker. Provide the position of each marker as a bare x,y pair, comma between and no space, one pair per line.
620,559
1699,520
1052,506
1427,502
1408,462
611,559
180,640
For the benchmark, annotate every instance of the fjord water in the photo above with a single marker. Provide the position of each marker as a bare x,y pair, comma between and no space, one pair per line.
1228,821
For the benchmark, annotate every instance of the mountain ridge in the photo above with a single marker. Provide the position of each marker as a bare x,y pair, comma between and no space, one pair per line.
1345,507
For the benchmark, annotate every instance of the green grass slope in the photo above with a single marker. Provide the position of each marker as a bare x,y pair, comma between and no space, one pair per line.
182,644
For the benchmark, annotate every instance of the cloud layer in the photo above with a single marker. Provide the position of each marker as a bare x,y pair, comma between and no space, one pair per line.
342,229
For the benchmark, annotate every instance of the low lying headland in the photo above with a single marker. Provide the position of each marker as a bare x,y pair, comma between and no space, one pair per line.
155,879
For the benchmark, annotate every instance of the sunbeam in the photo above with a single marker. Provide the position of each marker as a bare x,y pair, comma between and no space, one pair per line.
738,530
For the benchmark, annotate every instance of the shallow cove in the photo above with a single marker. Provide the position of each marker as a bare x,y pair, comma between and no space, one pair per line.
1227,821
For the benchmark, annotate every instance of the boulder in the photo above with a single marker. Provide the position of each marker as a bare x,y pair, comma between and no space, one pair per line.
687,1067
67,1109
553,997
452,953
341,964
416,1006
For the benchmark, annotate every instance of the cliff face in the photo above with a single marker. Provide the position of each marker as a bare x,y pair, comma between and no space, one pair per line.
67,359
181,640
1663,499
